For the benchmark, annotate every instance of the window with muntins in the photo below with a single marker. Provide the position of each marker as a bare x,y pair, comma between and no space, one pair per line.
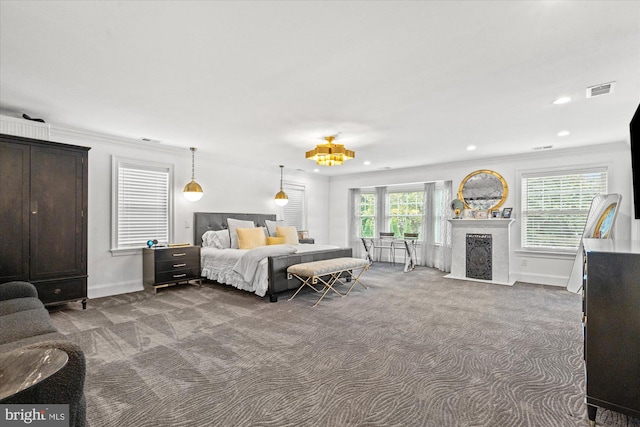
142,203
406,212
555,206
367,215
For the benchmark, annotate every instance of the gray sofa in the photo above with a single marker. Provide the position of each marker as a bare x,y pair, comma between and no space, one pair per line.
25,323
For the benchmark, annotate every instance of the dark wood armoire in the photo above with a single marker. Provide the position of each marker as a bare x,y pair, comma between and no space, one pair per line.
43,217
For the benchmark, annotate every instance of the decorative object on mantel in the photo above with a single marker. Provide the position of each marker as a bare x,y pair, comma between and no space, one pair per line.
192,191
281,198
483,190
457,206
496,214
506,212
480,214
330,154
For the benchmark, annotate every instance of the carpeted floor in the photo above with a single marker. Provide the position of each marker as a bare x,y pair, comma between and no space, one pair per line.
414,349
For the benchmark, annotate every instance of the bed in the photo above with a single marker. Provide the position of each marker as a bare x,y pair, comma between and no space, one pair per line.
269,276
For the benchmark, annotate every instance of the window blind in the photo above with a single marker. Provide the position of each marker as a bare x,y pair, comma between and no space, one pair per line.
555,206
294,212
143,205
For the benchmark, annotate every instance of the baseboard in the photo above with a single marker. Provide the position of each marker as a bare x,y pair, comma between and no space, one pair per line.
541,279
108,289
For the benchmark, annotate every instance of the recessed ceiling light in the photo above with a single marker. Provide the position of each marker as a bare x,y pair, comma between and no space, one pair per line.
316,170
564,133
366,163
562,100
471,147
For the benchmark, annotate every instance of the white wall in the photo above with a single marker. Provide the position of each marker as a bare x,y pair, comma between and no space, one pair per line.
233,187
537,268
228,187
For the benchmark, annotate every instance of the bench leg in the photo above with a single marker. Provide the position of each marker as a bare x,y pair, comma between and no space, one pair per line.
305,282
356,279
334,277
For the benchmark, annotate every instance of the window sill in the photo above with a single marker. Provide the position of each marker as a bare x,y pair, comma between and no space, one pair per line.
126,251
545,253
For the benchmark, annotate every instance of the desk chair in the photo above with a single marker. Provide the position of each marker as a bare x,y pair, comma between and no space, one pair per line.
385,242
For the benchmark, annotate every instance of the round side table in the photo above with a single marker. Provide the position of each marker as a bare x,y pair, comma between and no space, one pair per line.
24,368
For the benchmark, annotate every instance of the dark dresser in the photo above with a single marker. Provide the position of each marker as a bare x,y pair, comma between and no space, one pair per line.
611,324
43,217
166,266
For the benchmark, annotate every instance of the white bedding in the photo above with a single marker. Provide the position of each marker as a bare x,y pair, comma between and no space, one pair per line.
218,264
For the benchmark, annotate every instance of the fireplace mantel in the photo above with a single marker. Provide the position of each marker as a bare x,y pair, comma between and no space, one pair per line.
499,231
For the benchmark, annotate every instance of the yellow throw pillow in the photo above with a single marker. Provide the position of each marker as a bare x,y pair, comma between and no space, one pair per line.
289,233
249,238
275,240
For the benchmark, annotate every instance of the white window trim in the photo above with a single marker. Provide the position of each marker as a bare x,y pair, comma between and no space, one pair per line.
116,163
550,171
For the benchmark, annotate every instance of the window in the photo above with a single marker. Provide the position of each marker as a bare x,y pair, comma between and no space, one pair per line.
294,212
367,215
142,194
406,212
555,207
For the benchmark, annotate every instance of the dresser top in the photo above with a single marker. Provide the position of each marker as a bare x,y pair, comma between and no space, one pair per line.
612,245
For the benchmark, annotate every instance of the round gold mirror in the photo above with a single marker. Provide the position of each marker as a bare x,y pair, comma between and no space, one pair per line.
483,190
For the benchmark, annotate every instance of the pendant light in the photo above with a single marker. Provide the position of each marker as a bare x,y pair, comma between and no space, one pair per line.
281,198
192,191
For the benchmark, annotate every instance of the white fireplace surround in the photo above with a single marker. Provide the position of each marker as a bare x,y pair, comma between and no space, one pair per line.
499,231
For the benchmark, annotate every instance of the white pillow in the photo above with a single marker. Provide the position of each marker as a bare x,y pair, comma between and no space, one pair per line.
218,239
207,239
271,226
237,223
289,233
221,239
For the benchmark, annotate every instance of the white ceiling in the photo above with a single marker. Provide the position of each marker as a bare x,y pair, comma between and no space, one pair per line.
404,83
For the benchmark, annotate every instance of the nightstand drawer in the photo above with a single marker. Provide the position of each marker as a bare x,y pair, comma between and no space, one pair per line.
167,254
177,264
177,275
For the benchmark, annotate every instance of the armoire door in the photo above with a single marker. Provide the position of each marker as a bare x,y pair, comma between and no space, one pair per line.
56,211
14,212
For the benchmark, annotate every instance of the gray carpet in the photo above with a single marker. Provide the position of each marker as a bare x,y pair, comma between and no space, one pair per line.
414,349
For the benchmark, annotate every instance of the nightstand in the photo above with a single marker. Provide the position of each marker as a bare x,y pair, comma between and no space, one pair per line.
166,266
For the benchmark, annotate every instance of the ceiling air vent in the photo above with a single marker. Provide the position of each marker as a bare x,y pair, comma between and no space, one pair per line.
543,147
601,89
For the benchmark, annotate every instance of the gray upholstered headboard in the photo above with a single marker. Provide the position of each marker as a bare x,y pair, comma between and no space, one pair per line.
205,221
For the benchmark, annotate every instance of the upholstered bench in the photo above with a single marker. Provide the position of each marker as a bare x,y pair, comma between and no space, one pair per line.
328,272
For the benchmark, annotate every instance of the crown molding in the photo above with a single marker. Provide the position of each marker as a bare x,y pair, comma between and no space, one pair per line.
609,147
86,137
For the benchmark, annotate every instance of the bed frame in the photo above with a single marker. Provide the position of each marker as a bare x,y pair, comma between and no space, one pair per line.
277,265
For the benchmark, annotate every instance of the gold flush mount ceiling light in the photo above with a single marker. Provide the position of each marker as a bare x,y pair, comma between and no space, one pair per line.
330,154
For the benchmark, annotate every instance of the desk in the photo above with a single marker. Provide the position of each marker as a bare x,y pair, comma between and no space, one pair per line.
24,368
409,247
